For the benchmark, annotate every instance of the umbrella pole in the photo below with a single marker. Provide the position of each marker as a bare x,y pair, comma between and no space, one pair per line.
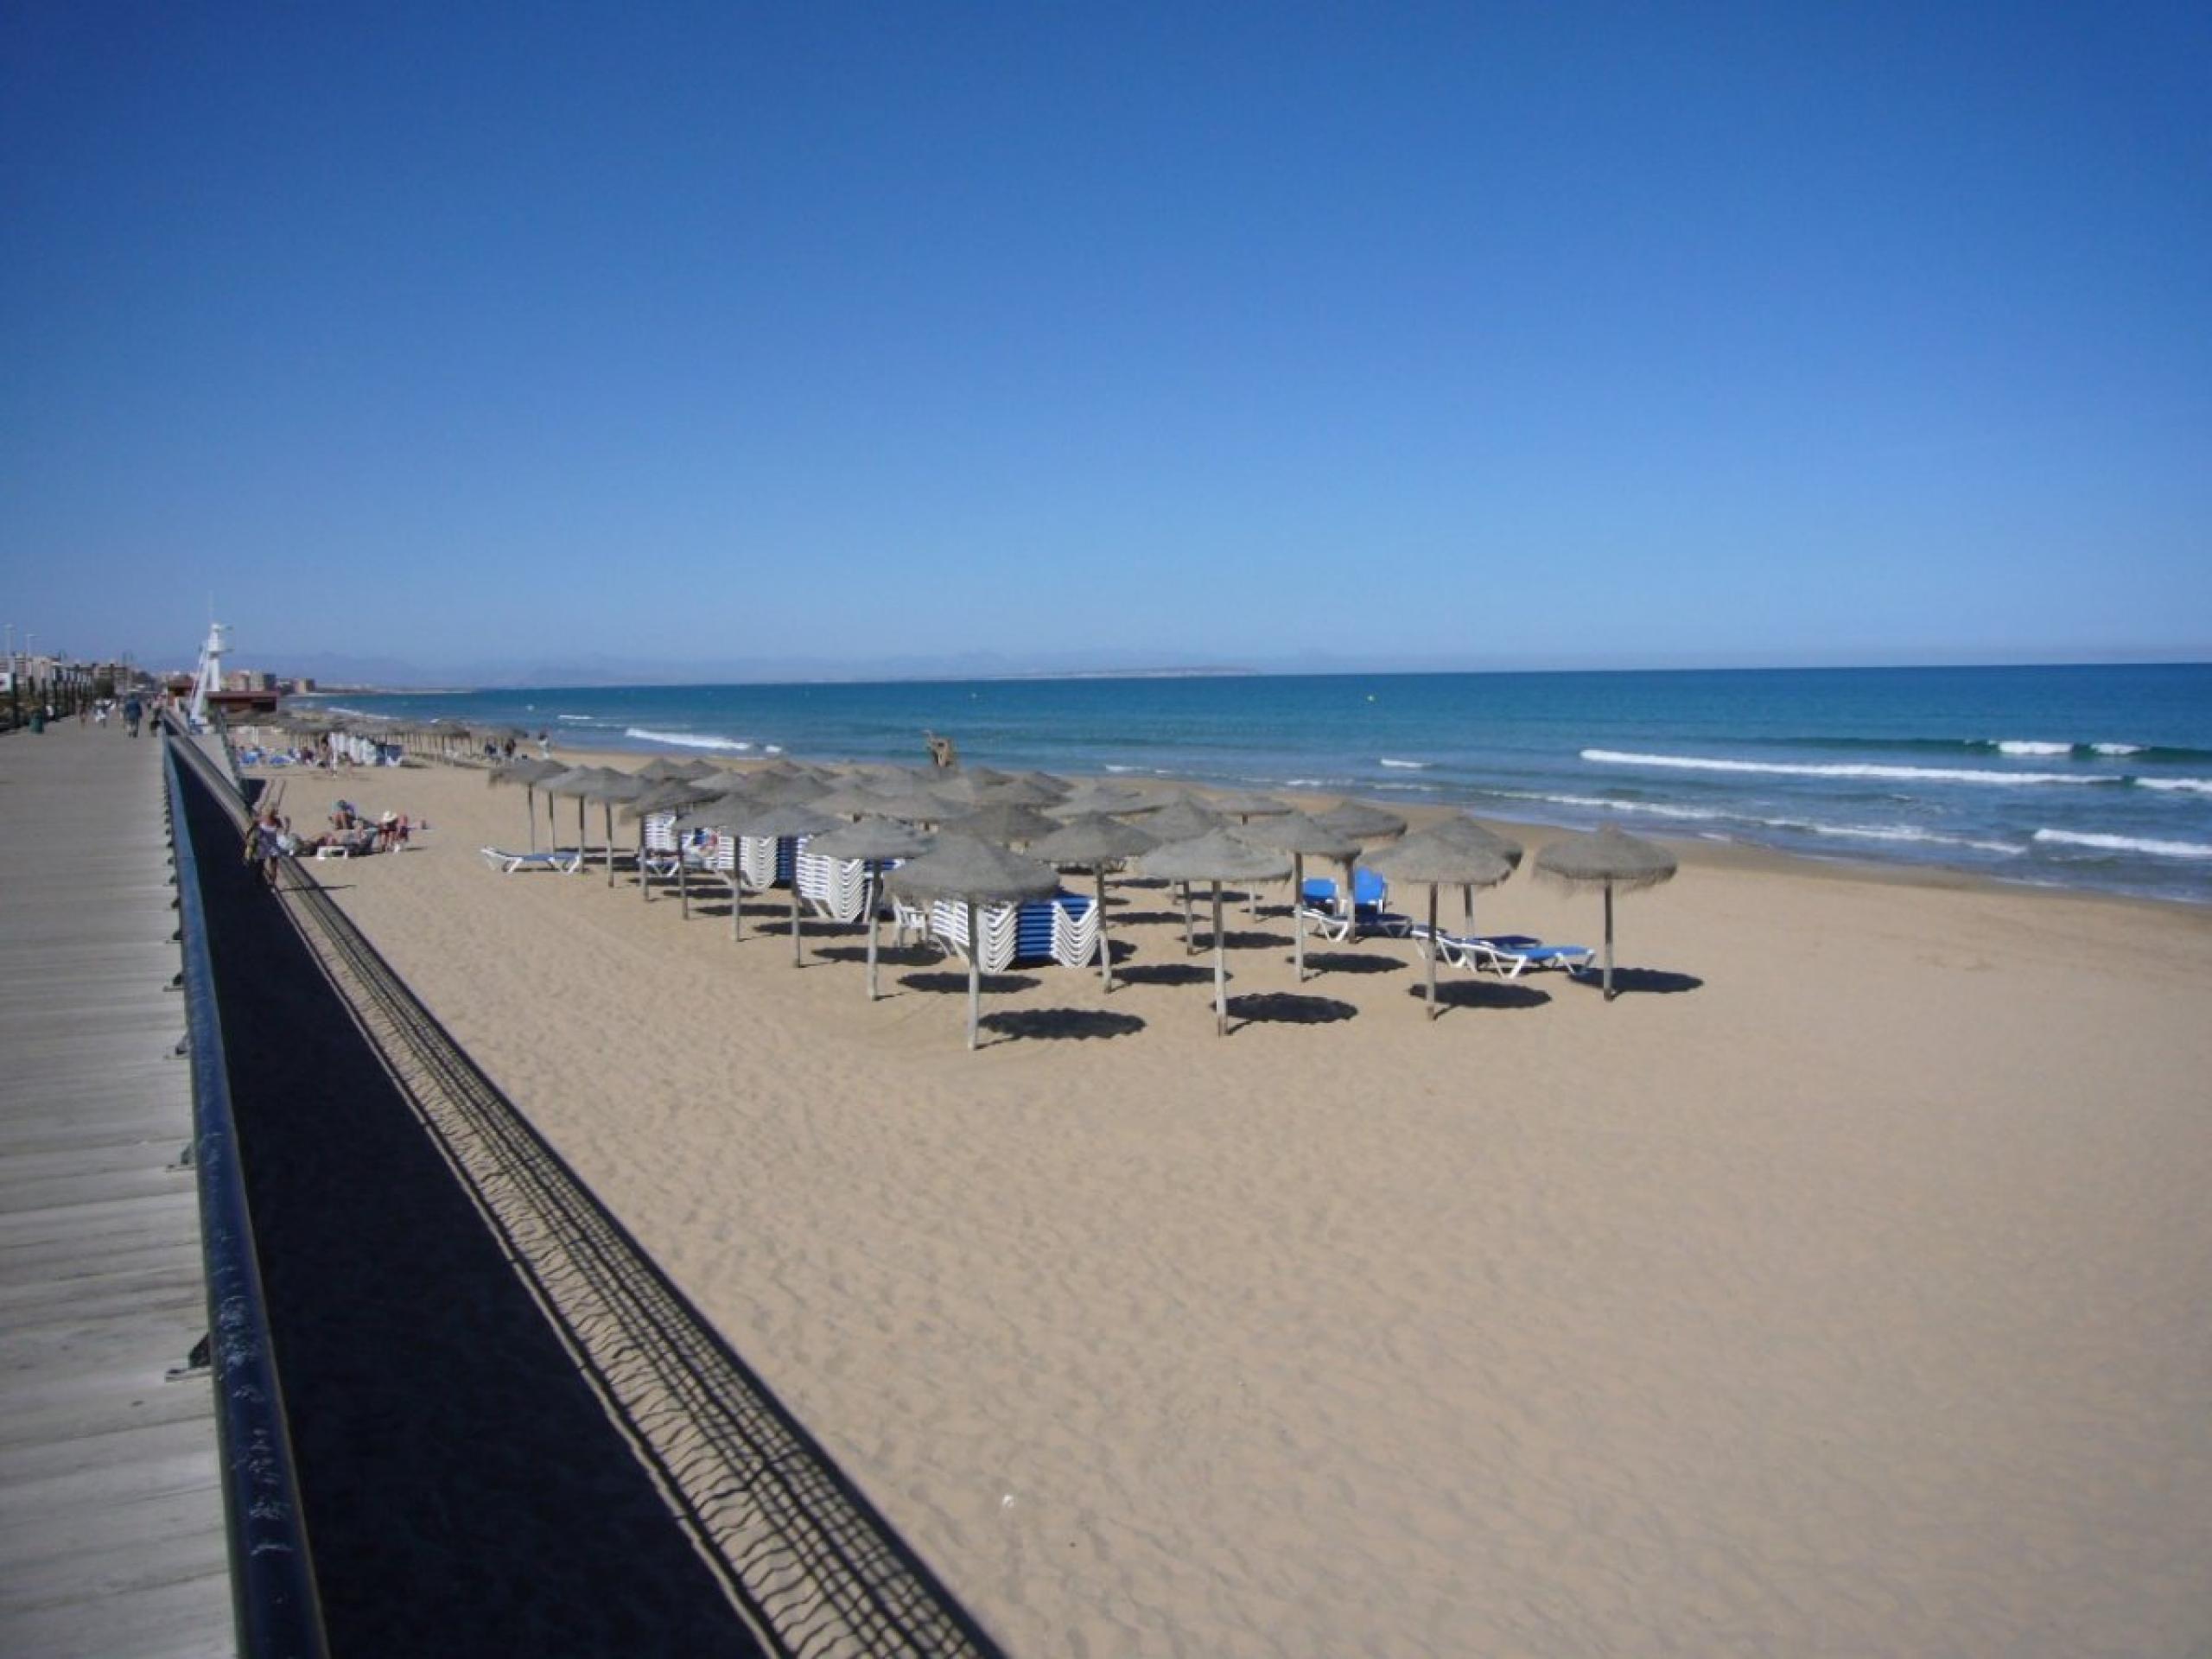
736,887
975,974
610,842
530,803
1298,910
795,952
583,835
552,834
1467,907
683,879
1609,941
1189,944
1105,950
645,888
1431,950
1220,971
874,921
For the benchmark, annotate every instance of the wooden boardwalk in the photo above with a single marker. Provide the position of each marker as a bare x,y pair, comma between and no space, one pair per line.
111,1538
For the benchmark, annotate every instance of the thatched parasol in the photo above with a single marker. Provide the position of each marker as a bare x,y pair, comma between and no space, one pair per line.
1244,805
1217,856
1466,832
1301,836
1183,819
872,840
1110,798
1009,823
1091,841
972,872
1436,859
1362,823
529,775
670,795
778,820
1610,857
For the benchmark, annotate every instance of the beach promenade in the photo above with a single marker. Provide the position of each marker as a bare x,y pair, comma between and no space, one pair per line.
110,1514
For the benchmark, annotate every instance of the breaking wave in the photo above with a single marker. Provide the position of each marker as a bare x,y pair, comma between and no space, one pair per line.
1856,769
685,739
1405,765
2124,843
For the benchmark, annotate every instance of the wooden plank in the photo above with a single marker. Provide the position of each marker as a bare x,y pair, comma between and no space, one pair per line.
112,1537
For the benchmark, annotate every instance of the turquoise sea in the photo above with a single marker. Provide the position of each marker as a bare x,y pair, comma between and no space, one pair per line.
2072,776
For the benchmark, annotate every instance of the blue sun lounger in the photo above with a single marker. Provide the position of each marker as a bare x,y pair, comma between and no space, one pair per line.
1510,955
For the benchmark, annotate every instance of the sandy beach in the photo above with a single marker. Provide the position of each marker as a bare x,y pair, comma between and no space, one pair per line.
1840,1288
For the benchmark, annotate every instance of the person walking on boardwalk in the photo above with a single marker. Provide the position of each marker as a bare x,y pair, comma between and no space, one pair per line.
133,712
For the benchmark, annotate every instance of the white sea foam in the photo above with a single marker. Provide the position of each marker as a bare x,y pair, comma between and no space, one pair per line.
2028,745
685,739
1406,766
1903,774
772,748
2125,844
1650,809
2117,748
2191,786
584,719
1906,832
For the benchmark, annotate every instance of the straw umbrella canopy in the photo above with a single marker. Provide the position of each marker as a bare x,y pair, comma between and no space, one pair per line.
670,795
1466,832
661,768
1183,819
718,811
611,789
1017,791
1362,823
1245,804
781,819
1215,857
529,775
576,782
1111,799
1091,841
872,840
972,872
1301,836
850,798
1010,823
1610,857
1440,860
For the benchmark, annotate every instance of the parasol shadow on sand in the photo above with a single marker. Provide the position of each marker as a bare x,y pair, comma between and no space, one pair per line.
972,872
1215,857
1611,858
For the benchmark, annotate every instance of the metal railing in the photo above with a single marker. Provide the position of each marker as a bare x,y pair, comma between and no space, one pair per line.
274,1600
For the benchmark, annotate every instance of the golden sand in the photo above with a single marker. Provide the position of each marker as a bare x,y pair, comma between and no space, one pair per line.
1842,1289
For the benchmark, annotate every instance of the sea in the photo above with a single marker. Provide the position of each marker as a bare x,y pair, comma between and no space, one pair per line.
2095,777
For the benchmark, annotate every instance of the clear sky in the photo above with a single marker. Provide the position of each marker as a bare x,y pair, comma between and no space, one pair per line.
471,336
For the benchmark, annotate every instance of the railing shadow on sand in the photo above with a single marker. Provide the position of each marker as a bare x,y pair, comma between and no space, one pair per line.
817,1569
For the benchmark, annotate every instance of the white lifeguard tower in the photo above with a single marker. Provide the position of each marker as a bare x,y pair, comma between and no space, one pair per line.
209,679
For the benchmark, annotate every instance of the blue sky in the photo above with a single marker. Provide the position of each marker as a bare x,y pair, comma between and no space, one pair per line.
734,338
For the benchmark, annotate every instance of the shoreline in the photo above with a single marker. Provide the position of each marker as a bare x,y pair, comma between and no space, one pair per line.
1690,850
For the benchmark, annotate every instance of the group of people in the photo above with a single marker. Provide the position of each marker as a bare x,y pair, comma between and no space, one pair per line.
272,838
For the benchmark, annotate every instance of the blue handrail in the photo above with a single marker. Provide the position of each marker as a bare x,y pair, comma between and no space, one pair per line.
274,1601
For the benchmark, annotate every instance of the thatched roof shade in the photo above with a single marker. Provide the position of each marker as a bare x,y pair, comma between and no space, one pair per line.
1606,855
1362,822
1092,839
963,866
1440,860
1216,855
872,838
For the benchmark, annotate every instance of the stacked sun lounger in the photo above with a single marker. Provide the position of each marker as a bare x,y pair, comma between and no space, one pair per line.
1062,929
